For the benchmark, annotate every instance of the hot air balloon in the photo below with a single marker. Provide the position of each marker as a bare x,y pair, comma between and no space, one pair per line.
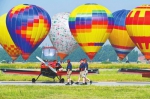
6,41
119,37
28,26
60,35
138,27
91,24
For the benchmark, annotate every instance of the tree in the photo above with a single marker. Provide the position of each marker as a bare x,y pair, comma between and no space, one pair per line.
133,56
106,52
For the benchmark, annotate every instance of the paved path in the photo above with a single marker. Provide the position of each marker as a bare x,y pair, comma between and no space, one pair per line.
62,84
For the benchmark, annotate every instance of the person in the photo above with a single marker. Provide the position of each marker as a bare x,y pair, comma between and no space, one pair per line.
58,66
86,72
69,71
82,73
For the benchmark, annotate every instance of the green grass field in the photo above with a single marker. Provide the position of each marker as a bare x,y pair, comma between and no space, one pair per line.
108,72
105,75
76,65
74,92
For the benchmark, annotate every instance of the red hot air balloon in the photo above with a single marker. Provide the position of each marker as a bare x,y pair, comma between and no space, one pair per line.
138,27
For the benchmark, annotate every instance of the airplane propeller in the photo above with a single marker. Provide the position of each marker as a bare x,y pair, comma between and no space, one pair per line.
46,64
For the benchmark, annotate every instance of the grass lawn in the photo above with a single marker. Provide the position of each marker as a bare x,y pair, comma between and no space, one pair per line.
74,92
76,65
105,75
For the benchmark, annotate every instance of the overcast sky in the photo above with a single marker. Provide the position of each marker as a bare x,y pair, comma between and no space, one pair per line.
56,6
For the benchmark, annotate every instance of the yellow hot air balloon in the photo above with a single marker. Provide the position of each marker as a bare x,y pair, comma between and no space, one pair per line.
138,27
6,40
119,37
91,24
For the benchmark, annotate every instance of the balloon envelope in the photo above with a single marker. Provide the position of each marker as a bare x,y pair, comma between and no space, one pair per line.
28,26
138,27
60,35
6,41
91,24
119,37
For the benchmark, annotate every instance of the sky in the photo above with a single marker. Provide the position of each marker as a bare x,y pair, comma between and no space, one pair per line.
56,6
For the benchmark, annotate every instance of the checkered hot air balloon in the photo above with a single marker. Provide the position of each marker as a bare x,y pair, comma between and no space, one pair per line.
28,26
138,27
6,41
119,37
91,24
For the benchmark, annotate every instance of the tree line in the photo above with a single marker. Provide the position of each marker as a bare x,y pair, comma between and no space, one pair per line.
106,53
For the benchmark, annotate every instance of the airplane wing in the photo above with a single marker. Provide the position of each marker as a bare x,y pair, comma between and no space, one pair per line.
76,72
144,73
21,71
37,72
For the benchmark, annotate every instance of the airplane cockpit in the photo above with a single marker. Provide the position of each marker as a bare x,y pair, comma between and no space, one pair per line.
49,53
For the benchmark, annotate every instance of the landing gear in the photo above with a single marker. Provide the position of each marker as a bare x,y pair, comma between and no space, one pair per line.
62,80
33,80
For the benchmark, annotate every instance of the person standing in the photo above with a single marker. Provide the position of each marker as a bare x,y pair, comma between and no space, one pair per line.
69,71
86,72
82,73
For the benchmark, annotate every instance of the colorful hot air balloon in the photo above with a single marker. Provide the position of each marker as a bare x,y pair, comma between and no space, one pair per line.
28,26
91,25
119,37
138,27
60,35
6,40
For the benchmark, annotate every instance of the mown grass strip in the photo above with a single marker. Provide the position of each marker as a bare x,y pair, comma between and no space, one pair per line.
76,65
105,75
74,92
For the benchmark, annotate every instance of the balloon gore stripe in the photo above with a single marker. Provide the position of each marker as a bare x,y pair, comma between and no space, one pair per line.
28,25
91,44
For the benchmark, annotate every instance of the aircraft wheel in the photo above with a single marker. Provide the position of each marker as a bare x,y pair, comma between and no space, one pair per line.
33,80
62,80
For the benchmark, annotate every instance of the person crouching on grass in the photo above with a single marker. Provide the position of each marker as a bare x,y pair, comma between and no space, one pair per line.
69,71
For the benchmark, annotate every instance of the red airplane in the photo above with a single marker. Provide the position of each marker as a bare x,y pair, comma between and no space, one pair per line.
48,67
